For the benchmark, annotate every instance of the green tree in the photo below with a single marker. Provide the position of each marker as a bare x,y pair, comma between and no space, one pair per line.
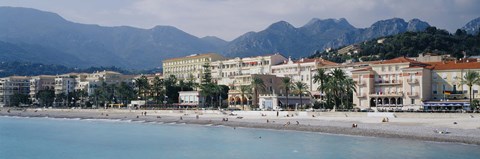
125,93
300,88
320,77
471,78
287,85
258,86
244,89
142,87
17,98
46,97
157,89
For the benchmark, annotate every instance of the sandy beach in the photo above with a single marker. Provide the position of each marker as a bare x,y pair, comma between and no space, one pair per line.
440,127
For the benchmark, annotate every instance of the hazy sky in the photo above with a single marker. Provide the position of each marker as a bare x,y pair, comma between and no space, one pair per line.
229,19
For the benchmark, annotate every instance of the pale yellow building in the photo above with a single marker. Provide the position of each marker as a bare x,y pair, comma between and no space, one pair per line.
446,78
224,71
189,67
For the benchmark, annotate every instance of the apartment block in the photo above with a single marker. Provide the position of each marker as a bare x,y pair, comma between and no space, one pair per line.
11,85
224,71
39,83
189,67
398,83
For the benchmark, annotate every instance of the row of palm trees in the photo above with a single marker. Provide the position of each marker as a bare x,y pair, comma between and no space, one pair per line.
336,88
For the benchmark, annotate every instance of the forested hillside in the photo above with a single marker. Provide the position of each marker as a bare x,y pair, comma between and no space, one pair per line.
410,44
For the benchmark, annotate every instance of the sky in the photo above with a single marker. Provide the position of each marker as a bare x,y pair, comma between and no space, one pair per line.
229,19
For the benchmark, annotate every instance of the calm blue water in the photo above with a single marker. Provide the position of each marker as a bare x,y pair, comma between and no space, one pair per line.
81,139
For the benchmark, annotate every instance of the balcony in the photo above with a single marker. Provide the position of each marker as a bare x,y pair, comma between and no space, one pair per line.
412,94
388,82
388,94
361,95
412,81
453,92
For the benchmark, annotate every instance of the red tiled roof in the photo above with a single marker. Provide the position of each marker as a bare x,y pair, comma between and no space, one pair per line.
452,65
400,60
363,69
320,60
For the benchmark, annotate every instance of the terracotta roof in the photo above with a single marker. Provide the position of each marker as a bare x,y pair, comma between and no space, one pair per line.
326,62
400,60
452,65
363,69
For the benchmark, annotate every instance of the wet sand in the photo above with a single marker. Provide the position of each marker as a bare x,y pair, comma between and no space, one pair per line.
460,128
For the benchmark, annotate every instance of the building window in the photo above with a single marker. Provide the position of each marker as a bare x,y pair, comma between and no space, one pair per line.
412,101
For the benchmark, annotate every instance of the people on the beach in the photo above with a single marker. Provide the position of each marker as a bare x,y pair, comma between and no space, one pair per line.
384,120
268,121
277,113
196,116
8,111
298,123
181,118
354,125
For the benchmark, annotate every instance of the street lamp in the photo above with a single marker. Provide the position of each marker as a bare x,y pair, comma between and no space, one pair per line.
73,102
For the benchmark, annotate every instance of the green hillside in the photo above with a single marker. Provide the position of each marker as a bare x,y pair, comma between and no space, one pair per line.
410,44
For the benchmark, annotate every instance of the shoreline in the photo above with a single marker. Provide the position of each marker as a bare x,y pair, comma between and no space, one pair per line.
401,128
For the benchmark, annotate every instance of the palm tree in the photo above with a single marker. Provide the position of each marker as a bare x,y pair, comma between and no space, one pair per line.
336,84
157,89
142,85
257,85
471,78
320,77
300,88
349,87
287,84
216,90
243,90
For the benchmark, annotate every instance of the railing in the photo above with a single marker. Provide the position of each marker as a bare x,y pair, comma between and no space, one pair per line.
388,82
412,81
381,94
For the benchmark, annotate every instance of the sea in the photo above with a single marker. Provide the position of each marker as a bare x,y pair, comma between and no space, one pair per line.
51,138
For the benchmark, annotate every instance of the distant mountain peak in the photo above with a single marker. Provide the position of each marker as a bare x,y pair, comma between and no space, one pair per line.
280,25
417,25
473,26
331,20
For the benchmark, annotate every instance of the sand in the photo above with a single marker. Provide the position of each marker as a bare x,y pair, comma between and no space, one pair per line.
457,127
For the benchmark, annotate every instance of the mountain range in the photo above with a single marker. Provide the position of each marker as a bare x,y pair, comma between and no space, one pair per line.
32,35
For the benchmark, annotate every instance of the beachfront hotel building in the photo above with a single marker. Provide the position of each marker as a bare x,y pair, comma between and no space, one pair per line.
189,67
398,83
302,70
225,71
39,83
12,85
235,99
447,91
